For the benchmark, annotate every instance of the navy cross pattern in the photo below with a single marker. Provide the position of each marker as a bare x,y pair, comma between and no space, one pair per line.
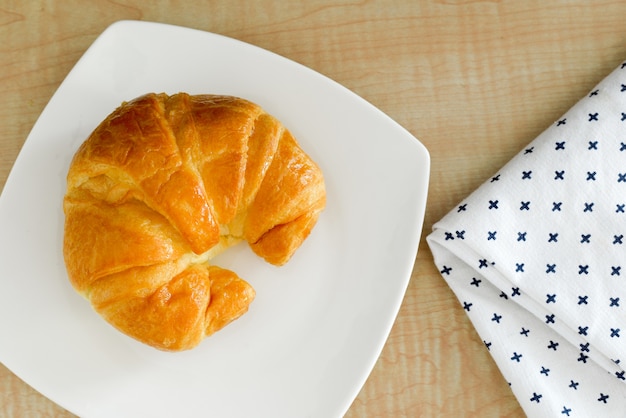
536,255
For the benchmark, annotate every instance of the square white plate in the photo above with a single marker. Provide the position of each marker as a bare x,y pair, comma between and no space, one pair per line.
317,325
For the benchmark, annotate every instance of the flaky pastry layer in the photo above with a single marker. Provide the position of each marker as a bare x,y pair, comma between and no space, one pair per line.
164,184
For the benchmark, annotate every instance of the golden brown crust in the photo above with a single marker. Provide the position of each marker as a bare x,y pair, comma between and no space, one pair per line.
162,185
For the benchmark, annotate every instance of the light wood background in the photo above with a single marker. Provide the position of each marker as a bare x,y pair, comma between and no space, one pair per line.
473,80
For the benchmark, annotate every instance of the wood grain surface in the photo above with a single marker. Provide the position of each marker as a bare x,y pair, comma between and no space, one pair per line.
473,80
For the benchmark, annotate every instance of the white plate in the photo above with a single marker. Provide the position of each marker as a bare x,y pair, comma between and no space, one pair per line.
317,325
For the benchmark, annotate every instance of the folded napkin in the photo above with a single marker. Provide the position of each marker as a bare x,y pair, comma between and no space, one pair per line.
537,258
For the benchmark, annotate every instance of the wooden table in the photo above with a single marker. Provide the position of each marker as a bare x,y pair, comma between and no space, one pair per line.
473,80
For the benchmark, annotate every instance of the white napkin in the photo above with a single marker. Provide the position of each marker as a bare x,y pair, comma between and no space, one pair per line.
537,258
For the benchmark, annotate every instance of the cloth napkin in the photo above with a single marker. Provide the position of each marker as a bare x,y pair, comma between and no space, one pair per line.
537,258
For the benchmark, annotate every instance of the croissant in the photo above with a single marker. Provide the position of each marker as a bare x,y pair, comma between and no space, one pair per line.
164,184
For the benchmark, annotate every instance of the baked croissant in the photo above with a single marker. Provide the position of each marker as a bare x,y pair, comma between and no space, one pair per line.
163,185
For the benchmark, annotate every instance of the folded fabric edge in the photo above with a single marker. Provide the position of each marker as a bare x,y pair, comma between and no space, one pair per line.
478,264
495,307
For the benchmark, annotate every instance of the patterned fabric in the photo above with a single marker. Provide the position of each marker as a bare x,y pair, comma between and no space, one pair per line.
537,258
